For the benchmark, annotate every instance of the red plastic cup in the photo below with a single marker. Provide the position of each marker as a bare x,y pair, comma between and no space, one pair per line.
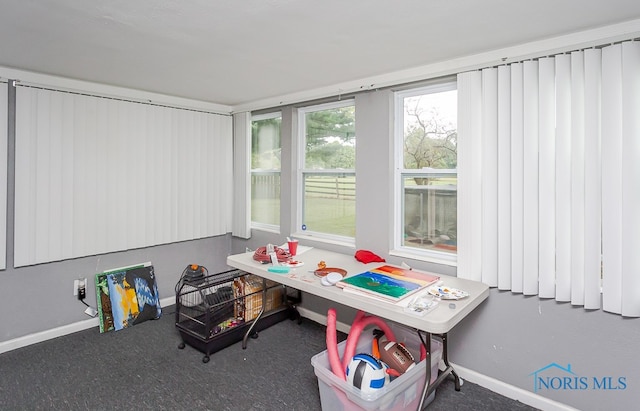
293,247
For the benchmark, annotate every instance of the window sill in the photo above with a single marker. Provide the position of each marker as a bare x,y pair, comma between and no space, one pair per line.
448,260
335,241
266,228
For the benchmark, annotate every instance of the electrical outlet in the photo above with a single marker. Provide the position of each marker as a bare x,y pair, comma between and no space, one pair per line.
80,288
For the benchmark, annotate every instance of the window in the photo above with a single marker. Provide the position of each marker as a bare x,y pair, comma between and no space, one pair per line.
426,152
265,170
327,178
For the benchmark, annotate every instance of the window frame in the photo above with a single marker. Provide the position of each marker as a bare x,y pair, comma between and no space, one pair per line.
301,172
398,249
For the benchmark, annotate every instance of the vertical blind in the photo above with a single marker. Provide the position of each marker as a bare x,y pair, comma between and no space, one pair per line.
97,175
4,114
549,165
242,175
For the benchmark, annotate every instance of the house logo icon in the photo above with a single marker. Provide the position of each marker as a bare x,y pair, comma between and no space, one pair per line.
555,377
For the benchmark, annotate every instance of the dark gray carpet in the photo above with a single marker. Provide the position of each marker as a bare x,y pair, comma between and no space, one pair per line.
142,368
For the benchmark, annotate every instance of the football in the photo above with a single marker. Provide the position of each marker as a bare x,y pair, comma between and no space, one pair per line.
396,356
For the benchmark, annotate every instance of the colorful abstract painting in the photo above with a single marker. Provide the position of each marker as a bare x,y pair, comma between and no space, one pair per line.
388,282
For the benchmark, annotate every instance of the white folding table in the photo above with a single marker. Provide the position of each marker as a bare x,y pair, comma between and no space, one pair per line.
436,322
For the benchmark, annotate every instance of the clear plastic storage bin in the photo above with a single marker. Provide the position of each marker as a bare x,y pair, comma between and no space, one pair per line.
402,393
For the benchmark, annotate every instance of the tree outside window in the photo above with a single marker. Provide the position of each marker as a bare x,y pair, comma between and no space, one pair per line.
328,172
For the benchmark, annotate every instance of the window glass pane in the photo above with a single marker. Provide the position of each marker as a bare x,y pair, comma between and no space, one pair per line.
430,130
429,177
329,203
430,212
328,176
265,170
330,139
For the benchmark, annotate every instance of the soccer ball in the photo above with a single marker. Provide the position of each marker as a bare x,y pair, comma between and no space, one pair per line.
367,373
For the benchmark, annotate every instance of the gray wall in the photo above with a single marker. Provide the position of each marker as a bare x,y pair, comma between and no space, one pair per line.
509,336
40,298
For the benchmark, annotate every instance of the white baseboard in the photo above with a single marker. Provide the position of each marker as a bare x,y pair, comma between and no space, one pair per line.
41,336
47,335
510,391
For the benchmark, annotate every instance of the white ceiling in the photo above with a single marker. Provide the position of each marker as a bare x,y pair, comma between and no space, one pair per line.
234,52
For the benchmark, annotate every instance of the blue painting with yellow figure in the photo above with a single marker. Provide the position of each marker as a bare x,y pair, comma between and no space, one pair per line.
124,302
